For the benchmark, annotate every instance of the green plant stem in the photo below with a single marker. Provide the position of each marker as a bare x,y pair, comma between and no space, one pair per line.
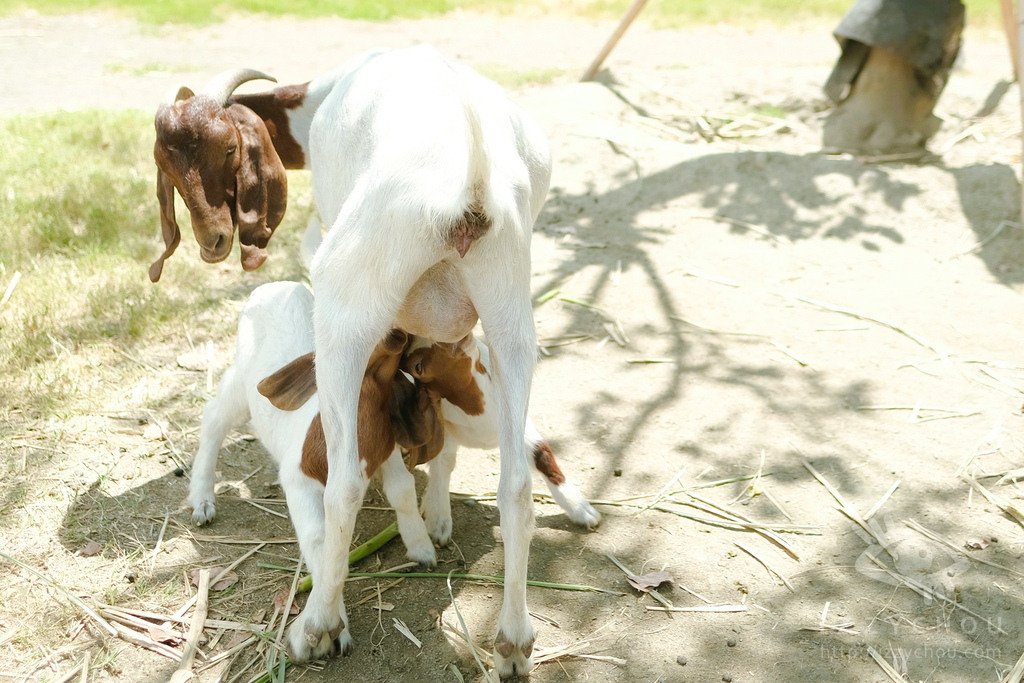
306,582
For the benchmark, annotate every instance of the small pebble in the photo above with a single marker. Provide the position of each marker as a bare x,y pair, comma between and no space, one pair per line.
681,660
461,562
994,539
470,502
130,577
727,678
178,472
617,472
731,642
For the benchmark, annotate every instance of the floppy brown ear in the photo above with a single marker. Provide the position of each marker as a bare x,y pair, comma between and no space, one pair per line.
261,186
314,452
290,387
433,417
168,224
416,420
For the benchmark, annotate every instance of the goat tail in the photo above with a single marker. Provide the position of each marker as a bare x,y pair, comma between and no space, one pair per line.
479,170
474,221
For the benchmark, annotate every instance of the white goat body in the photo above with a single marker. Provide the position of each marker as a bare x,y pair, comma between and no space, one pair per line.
429,180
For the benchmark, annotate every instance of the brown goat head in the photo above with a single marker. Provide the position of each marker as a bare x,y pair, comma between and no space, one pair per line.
447,370
221,159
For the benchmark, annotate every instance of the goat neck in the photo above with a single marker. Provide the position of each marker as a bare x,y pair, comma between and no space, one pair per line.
286,112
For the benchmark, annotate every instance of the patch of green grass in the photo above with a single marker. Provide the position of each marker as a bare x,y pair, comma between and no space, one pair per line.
148,68
667,13
515,78
81,225
772,110
201,12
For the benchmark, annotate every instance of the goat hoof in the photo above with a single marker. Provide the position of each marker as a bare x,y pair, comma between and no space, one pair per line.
587,516
203,513
424,554
440,531
344,643
305,643
512,659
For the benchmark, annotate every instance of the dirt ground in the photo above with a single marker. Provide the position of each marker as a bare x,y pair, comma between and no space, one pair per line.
733,259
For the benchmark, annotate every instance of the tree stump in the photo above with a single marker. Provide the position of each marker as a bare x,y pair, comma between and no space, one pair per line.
897,55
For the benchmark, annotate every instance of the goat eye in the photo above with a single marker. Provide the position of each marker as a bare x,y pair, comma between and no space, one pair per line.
418,368
231,150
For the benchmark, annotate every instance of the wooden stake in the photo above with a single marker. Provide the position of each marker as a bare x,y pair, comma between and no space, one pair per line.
1010,26
1017,65
627,19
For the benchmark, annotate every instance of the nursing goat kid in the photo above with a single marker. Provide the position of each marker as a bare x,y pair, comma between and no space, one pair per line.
429,180
455,378
276,326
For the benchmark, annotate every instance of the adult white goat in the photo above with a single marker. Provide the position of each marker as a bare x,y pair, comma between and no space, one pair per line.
430,181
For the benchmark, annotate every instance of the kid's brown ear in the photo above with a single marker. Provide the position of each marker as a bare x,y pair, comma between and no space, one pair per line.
290,387
415,414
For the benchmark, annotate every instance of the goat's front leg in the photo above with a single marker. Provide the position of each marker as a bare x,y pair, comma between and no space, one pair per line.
305,497
508,323
437,506
228,410
400,489
565,493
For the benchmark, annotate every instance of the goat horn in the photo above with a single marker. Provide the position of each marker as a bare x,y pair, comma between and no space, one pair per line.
176,94
223,84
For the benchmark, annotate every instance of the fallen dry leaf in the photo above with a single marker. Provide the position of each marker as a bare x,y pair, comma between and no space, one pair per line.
218,579
281,599
162,636
239,638
976,544
89,549
649,581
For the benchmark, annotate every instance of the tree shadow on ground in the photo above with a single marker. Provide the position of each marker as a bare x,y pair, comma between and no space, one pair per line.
129,524
784,194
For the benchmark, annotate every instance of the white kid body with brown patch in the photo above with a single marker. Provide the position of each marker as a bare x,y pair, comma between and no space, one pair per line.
482,431
274,328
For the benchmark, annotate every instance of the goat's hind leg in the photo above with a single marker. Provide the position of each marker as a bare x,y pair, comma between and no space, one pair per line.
354,309
226,411
508,323
323,625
